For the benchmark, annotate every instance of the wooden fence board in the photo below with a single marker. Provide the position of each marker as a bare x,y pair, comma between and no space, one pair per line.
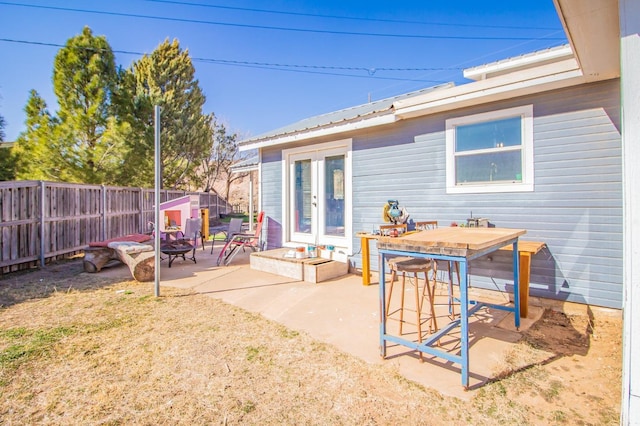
72,215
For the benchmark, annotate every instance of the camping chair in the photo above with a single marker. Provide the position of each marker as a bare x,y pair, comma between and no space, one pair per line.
243,241
235,227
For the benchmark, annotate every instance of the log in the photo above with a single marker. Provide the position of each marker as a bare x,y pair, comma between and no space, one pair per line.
96,258
140,258
98,254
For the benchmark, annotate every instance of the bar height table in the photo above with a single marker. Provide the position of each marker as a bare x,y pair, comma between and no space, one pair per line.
455,244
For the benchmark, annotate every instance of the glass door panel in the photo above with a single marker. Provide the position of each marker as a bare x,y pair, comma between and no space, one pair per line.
302,196
318,199
334,191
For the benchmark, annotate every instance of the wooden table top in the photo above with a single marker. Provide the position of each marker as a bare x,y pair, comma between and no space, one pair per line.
532,247
457,239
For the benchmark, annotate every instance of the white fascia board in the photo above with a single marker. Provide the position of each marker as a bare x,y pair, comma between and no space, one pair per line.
244,169
321,131
547,77
481,72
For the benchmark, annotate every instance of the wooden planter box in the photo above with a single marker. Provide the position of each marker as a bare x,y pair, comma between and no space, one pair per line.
273,261
318,270
313,270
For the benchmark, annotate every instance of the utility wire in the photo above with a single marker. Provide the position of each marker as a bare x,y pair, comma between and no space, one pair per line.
309,69
265,27
371,71
370,76
353,18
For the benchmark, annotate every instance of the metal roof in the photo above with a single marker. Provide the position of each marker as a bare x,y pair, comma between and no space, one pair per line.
387,110
246,165
379,107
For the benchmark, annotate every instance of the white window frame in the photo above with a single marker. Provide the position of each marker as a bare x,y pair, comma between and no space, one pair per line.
526,113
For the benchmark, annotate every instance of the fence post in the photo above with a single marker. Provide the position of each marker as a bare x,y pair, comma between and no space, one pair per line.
143,228
42,222
103,209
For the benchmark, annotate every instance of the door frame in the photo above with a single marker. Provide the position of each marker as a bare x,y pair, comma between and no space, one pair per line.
334,148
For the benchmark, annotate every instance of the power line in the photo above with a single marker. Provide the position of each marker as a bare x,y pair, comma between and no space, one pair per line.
371,71
265,27
353,18
370,76
309,69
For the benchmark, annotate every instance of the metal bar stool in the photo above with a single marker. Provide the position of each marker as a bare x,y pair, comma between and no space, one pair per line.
433,224
411,265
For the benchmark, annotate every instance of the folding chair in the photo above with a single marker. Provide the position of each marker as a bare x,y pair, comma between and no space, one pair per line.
235,227
243,241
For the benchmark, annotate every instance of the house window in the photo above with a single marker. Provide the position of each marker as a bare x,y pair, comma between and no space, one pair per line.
490,152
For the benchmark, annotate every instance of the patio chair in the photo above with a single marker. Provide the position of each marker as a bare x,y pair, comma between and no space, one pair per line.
234,227
242,241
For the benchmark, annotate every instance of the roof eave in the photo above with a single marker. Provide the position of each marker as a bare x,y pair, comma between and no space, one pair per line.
494,69
593,30
243,169
534,80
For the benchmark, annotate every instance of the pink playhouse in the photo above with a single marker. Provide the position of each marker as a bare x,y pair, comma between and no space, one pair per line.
174,213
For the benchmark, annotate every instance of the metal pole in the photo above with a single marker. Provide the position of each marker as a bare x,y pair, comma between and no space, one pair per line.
157,199
251,201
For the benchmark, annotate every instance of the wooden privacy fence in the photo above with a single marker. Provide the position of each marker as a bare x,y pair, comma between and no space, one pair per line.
41,221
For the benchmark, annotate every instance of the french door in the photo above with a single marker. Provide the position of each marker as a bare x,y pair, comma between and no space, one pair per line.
319,195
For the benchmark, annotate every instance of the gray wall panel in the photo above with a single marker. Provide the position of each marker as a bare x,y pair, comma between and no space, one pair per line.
575,207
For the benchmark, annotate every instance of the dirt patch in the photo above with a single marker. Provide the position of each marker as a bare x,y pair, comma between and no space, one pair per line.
78,348
62,276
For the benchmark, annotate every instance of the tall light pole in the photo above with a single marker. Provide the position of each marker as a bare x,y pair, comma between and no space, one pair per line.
158,178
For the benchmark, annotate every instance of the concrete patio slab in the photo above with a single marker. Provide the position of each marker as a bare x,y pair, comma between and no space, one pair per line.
344,313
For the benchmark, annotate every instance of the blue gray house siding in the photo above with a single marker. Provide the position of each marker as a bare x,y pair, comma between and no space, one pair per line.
576,207
271,195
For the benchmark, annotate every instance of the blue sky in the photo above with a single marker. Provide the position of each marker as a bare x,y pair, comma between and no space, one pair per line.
266,64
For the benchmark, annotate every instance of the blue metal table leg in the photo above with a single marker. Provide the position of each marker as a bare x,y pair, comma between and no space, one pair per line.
464,323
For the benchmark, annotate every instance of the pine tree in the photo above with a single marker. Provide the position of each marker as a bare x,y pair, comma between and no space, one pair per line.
7,166
166,78
137,110
88,138
36,154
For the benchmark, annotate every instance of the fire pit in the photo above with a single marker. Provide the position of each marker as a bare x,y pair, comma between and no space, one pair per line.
175,249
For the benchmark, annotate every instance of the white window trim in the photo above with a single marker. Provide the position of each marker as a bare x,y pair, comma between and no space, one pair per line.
526,112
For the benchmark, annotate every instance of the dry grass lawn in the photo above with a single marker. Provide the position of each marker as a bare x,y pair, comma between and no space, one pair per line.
76,348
